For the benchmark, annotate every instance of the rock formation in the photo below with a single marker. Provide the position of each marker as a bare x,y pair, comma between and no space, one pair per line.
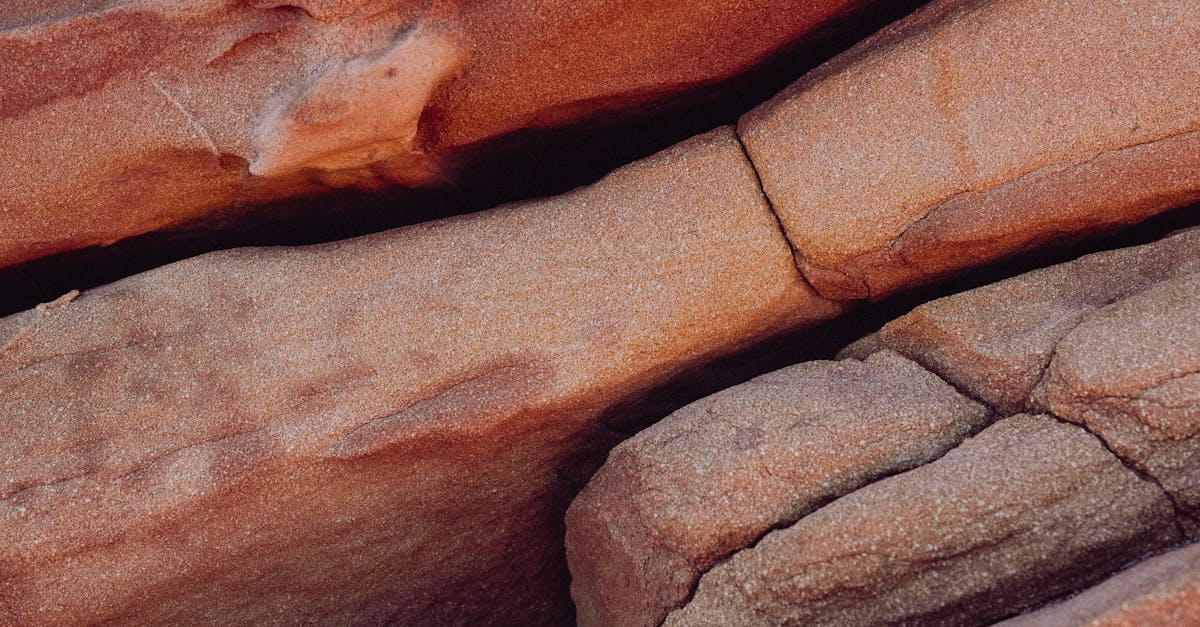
389,429
1030,508
120,118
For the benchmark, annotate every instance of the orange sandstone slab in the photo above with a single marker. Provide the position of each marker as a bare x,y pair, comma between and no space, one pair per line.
385,429
120,118
975,129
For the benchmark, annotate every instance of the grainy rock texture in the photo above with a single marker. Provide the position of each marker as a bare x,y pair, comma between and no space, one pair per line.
721,472
122,117
1110,341
381,429
1164,590
979,128
1029,508
716,475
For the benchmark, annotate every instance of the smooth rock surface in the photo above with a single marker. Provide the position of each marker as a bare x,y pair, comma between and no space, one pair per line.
1163,590
716,475
385,429
975,129
123,117
1029,508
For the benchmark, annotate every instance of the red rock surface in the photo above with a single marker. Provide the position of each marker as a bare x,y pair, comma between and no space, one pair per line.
975,129
714,476
120,118
381,429
1164,590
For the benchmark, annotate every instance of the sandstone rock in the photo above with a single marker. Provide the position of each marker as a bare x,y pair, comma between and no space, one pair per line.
1164,590
1029,508
975,129
119,118
1109,341
996,341
385,429
714,476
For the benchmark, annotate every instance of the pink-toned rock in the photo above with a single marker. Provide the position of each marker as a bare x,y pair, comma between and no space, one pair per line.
1028,509
120,118
714,476
380,430
1131,374
975,129
996,341
1164,590
1110,341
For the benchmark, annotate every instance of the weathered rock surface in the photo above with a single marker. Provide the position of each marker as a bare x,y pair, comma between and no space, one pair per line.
1164,590
1110,341
1029,508
716,475
119,118
975,129
381,429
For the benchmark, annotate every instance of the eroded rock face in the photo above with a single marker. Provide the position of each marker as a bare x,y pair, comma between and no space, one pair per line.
1164,590
1108,341
1033,507
1029,508
975,129
716,475
381,429
119,118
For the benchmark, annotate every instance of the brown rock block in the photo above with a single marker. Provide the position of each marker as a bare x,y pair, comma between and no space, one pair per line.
385,429
120,118
1110,341
1028,509
714,476
1164,590
975,129
1131,373
996,341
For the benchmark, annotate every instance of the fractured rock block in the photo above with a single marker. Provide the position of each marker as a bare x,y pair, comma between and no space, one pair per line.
1109,341
711,478
976,129
1029,508
385,429
120,118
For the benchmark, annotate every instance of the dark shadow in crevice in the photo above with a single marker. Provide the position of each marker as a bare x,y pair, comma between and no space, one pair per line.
525,164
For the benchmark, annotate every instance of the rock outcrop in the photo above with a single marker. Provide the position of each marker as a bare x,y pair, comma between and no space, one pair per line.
381,429
1032,507
121,118
976,129
715,476
1027,509
390,429
1108,341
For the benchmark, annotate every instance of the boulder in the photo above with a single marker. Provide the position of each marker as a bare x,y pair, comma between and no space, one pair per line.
975,129
716,475
379,430
1028,509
